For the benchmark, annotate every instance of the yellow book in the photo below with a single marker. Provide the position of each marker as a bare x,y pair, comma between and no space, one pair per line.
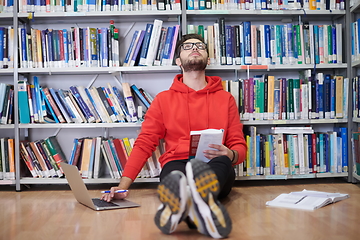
267,157
211,44
248,157
127,145
312,4
85,157
271,84
339,96
39,49
11,155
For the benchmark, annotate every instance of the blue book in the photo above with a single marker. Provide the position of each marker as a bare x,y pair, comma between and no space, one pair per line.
84,108
61,96
104,54
247,42
94,104
140,96
50,46
49,108
122,104
321,152
60,105
24,110
22,47
116,157
135,56
352,33
267,35
130,49
326,99
332,98
165,58
145,45
229,45
73,151
326,152
316,43
320,100
190,4
272,43
2,32
66,49
343,134
334,44
309,148
43,50
40,102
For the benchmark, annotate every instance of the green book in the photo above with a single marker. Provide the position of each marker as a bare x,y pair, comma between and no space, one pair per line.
298,44
329,43
291,99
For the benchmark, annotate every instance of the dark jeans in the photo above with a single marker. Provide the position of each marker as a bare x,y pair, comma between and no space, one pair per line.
220,165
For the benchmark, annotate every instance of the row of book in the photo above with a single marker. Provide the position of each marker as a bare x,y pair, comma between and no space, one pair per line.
97,5
42,157
155,45
265,44
263,97
99,157
296,150
6,103
7,158
7,6
81,105
75,47
265,5
6,47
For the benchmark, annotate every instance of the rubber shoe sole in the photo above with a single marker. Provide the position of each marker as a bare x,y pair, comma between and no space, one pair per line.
209,215
172,192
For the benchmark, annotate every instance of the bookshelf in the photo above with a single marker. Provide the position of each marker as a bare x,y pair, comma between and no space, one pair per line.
355,66
128,22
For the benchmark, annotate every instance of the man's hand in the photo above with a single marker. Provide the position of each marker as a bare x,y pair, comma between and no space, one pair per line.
112,195
221,151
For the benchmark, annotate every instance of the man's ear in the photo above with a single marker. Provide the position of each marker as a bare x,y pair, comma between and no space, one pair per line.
178,62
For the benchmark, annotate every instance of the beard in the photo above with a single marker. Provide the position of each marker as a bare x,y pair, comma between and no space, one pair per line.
197,64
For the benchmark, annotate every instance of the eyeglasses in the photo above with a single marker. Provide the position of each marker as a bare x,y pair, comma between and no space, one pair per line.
190,45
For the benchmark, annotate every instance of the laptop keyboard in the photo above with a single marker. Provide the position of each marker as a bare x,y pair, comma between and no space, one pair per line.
100,203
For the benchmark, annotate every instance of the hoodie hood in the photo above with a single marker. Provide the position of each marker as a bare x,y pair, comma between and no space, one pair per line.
213,85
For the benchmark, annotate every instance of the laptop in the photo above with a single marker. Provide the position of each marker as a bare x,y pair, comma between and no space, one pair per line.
81,193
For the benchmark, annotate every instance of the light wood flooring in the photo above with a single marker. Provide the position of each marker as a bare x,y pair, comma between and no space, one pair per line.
51,212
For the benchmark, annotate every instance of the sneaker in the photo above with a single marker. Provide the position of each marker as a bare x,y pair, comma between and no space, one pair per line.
208,214
172,192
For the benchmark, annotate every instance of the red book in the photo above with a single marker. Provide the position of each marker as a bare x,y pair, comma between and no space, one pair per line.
53,105
61,42
121,152
313,152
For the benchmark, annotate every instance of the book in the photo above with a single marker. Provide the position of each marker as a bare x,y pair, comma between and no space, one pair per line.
306,200
199,141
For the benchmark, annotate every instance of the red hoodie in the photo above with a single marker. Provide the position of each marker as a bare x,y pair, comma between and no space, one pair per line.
179,110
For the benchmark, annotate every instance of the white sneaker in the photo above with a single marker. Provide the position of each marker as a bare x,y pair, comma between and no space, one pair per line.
172,192
208,214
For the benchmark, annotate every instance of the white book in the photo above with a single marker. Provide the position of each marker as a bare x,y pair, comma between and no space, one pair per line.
217,44
306,200
154,42
97,157
312,44
339,42
200,140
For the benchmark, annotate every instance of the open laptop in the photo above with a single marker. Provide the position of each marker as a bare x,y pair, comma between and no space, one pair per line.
81,193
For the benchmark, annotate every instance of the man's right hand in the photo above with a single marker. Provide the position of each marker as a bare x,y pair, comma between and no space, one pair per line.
112,195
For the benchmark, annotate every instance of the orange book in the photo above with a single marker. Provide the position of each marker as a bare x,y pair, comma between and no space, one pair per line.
11,155
85,157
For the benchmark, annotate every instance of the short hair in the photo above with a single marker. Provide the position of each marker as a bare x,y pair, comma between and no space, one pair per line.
187,37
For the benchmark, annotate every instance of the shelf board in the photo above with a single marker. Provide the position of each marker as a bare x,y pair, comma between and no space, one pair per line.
297,176
103,14
9,71
29,180
300,121
7,126
266,12
6,15
355,63
80,125
7,182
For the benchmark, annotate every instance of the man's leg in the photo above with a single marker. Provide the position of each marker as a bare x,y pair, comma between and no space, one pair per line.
225,173
171,166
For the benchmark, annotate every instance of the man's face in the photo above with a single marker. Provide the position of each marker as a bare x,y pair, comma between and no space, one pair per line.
193,56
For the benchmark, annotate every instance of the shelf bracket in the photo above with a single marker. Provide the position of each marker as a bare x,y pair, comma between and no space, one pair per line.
93,80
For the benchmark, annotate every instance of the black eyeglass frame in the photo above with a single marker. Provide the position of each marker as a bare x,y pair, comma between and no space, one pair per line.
201,47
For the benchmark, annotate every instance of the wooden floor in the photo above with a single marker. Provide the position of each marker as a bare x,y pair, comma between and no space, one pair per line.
41,213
